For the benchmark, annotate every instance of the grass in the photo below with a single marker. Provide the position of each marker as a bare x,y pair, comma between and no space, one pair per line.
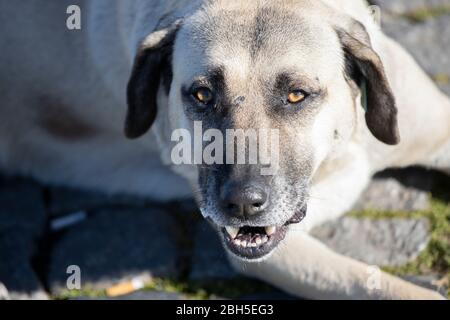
441,78
233,288
84,292
422,14
194,290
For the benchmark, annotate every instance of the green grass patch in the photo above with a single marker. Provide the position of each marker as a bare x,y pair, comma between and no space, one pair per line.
425,13
194,290
435,259
84,292
441,78
200,290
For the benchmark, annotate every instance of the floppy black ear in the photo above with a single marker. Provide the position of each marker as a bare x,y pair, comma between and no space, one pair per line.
151,65
381,113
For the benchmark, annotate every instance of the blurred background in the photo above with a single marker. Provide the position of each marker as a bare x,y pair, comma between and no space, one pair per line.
121,247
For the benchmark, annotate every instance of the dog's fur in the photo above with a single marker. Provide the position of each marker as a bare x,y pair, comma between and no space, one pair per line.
65,105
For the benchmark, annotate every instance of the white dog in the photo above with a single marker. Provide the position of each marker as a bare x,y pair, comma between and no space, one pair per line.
346,100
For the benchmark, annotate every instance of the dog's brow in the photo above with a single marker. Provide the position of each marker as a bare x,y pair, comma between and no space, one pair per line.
291,79
214,77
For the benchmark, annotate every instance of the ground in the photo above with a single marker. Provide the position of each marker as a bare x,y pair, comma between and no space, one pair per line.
401,223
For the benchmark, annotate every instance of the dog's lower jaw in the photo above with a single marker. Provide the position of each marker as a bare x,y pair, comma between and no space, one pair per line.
248,260
251,259
252,249
249,243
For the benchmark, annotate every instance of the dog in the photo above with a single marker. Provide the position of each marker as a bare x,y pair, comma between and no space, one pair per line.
346,100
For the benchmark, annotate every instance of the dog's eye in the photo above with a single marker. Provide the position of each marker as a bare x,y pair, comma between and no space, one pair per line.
203,95
296,96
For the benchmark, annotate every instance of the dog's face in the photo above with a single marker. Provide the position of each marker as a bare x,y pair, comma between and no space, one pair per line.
251,69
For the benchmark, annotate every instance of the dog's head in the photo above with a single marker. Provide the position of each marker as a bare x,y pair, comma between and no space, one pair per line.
292,71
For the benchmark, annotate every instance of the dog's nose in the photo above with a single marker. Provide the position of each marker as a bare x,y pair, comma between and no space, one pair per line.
243,201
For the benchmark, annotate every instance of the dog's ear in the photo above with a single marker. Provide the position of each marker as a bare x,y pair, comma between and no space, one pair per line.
151,65
381,111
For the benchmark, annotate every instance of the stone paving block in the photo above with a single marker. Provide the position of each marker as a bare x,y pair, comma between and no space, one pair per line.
209,258
67,200
115,245
390,195
382,242
22,223
428,42
404,6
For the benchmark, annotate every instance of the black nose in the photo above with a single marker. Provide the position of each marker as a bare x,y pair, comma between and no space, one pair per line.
239,200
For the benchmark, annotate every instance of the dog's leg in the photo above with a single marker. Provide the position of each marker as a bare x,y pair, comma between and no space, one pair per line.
306,268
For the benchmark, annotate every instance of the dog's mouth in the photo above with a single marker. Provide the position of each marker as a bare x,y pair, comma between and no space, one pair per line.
256,242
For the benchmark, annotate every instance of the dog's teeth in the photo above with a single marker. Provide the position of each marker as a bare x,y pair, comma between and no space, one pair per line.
265,239
233,232
237,242
270,230
258,241
244,243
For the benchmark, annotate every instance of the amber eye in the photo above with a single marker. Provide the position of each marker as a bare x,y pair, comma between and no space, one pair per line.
203,95
296,96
